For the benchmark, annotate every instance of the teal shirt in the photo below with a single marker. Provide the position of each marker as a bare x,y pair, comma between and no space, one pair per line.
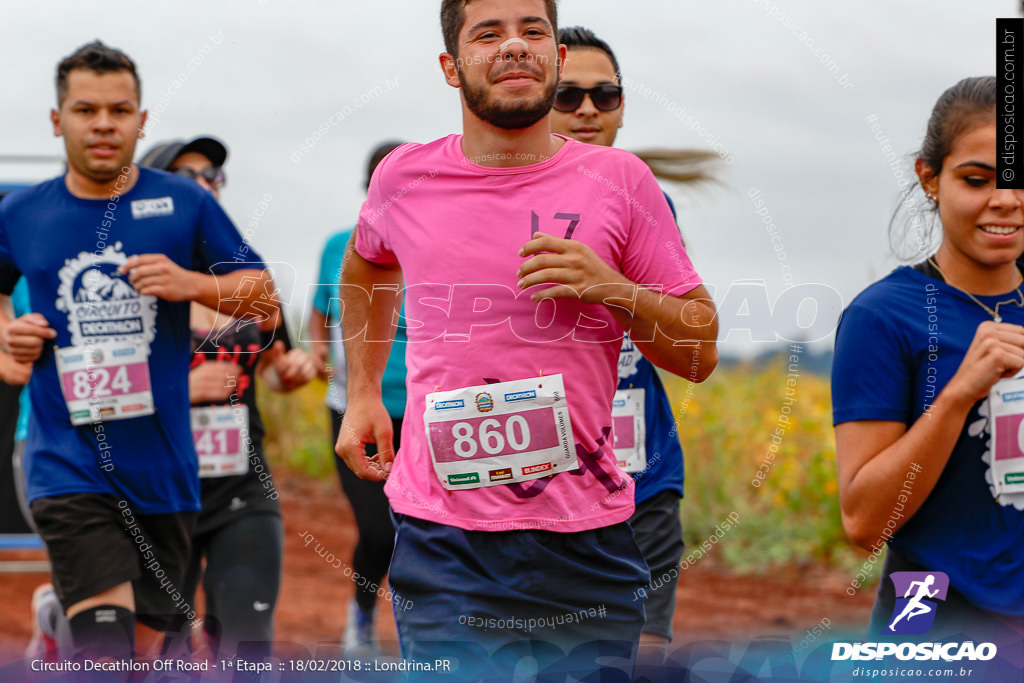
325,300
19,299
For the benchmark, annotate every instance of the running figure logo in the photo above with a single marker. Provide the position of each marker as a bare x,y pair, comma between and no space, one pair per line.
266,307
914,613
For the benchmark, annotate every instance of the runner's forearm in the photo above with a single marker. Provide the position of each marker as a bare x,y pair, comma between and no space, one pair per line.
242,292
677,334
875,493
371,298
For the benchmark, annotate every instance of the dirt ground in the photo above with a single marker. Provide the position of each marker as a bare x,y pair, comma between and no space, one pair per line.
311,611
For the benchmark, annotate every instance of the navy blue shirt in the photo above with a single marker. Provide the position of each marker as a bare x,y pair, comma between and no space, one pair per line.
664,471
68,250
898,344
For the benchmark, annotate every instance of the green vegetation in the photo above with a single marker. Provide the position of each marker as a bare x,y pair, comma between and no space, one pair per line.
743,421
726,428
298,430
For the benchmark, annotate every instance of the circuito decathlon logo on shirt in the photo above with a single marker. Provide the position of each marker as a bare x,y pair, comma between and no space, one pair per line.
918,597
100,303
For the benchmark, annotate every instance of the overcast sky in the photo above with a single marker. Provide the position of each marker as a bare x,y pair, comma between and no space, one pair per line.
754,75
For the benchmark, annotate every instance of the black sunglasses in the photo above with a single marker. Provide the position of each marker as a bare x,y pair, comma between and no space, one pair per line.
212,175
568,98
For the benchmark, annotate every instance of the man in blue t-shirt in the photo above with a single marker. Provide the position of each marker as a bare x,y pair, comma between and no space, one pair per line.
589,108
112,255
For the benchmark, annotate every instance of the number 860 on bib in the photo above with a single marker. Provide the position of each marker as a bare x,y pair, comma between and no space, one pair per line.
499,433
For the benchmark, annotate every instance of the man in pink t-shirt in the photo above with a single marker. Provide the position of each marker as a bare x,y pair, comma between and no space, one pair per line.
524,257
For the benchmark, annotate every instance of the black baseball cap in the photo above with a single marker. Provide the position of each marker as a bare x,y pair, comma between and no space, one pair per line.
162,155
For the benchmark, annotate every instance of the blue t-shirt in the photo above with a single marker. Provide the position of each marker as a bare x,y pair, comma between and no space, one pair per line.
393,382
664,471
19,300
68,249
898,344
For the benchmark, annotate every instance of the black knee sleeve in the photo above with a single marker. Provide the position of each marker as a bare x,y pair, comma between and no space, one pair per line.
104,631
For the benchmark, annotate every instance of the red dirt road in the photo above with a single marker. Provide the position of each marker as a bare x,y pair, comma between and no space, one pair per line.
312,607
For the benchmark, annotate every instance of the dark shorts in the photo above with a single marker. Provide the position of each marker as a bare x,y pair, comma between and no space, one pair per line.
489,601
96,543
659,535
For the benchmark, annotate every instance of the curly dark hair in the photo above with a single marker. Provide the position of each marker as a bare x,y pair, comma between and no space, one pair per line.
97,57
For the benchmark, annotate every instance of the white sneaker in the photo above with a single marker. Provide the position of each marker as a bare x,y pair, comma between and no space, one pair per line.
49,626
359,640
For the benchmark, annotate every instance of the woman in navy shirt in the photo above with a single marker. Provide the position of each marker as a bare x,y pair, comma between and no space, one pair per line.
917,355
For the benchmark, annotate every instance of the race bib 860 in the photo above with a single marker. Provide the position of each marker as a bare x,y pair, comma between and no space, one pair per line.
500,433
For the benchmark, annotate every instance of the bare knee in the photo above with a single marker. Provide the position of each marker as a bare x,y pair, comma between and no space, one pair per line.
120,595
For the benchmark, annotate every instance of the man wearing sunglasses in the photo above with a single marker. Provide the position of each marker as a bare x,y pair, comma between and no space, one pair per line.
589,108
588,103
518,254
201,159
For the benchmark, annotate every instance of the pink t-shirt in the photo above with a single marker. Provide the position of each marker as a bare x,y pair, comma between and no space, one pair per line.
456,228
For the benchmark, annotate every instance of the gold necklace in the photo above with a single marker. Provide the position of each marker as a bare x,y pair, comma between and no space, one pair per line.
994,313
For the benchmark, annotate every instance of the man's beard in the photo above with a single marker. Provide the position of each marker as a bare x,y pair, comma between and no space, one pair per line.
514,115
